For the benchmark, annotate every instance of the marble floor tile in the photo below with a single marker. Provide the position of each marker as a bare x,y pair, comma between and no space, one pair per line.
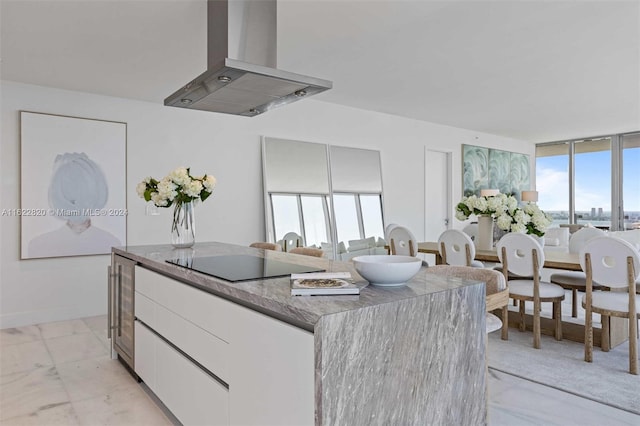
98,323
27,393
12,336
24,357
75,347
94,377
129,406
54,415
63,328
529,403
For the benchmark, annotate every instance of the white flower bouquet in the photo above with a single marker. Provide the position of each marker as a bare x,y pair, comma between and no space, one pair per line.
180,189
491,206
509,217
177,187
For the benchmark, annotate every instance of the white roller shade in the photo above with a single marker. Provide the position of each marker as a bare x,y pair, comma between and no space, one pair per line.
355,170
295,167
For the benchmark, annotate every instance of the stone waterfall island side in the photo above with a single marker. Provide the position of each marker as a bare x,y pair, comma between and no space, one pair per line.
405,355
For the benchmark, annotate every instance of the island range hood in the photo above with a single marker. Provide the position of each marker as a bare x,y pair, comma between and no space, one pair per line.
241,76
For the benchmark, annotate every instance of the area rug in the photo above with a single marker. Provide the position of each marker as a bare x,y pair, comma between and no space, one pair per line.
561,365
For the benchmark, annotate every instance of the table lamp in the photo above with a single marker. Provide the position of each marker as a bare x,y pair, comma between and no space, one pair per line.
530,196
489,192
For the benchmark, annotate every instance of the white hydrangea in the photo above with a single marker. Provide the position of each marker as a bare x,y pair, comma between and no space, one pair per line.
511,203
158,200
521,217
540,221
193,188
209,183
180,176
141,188
167,189
504,222
518,227
480,203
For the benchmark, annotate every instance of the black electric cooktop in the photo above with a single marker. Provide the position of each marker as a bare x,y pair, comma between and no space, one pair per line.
242,267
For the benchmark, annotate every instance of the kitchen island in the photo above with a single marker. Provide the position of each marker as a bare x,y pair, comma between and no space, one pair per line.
248,352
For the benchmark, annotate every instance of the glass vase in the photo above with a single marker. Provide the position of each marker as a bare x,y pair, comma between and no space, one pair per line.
183,227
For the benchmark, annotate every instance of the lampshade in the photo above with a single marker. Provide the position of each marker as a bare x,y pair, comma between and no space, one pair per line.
489,192
530,196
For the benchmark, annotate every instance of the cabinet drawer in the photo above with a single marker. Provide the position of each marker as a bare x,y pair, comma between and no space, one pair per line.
208,350
207,311
193,396
145,362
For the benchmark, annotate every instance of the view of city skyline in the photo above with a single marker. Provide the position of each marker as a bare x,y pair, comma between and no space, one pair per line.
592,182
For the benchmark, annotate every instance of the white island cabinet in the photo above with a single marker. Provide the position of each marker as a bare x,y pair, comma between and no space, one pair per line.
213,362
249,353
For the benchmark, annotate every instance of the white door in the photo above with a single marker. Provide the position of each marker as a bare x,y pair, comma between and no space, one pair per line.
438,207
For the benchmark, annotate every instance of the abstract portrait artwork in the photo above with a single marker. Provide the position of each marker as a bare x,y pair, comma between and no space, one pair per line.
486,168
73,185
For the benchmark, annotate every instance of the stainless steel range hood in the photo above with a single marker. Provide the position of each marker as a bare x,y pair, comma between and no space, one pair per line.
249,84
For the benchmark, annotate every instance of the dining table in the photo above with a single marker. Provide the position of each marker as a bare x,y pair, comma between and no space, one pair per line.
571,329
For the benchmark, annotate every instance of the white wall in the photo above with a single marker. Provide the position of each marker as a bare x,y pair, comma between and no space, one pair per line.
159,139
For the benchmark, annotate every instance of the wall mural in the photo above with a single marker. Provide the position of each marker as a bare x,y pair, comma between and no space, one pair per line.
484,168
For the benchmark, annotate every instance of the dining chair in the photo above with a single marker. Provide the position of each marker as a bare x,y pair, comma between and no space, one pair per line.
615,264
497,293
576,280
266,246
457,249
291,240
402,241
307,251
522,255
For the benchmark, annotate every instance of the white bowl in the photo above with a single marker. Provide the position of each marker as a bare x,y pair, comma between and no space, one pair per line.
385,270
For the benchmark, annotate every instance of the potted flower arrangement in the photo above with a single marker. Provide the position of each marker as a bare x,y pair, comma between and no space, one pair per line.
508,215
181,190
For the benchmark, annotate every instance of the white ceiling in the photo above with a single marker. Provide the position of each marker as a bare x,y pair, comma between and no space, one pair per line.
532,70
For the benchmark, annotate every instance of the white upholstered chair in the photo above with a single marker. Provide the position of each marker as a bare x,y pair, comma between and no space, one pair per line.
522,255
614,263
496,290
456,248
576,280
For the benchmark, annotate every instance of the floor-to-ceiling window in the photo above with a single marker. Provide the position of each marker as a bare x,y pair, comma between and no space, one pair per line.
591,181
631,180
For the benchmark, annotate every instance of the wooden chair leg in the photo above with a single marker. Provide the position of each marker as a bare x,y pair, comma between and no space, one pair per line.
606,344
505,322
588,335
633,346
557,312
536,325
574,302
522,326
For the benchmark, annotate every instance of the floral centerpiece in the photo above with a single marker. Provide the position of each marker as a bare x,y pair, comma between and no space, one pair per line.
181,190
528,219
509,217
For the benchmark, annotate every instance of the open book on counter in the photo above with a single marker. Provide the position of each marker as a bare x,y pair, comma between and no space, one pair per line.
323,283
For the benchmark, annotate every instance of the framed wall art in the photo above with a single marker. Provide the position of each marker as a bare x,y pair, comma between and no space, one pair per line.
484,168
73,185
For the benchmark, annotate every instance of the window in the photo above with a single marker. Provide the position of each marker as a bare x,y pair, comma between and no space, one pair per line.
631,181
552,180
594,181
306,215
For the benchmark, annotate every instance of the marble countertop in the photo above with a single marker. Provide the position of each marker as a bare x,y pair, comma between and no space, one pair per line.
273,296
